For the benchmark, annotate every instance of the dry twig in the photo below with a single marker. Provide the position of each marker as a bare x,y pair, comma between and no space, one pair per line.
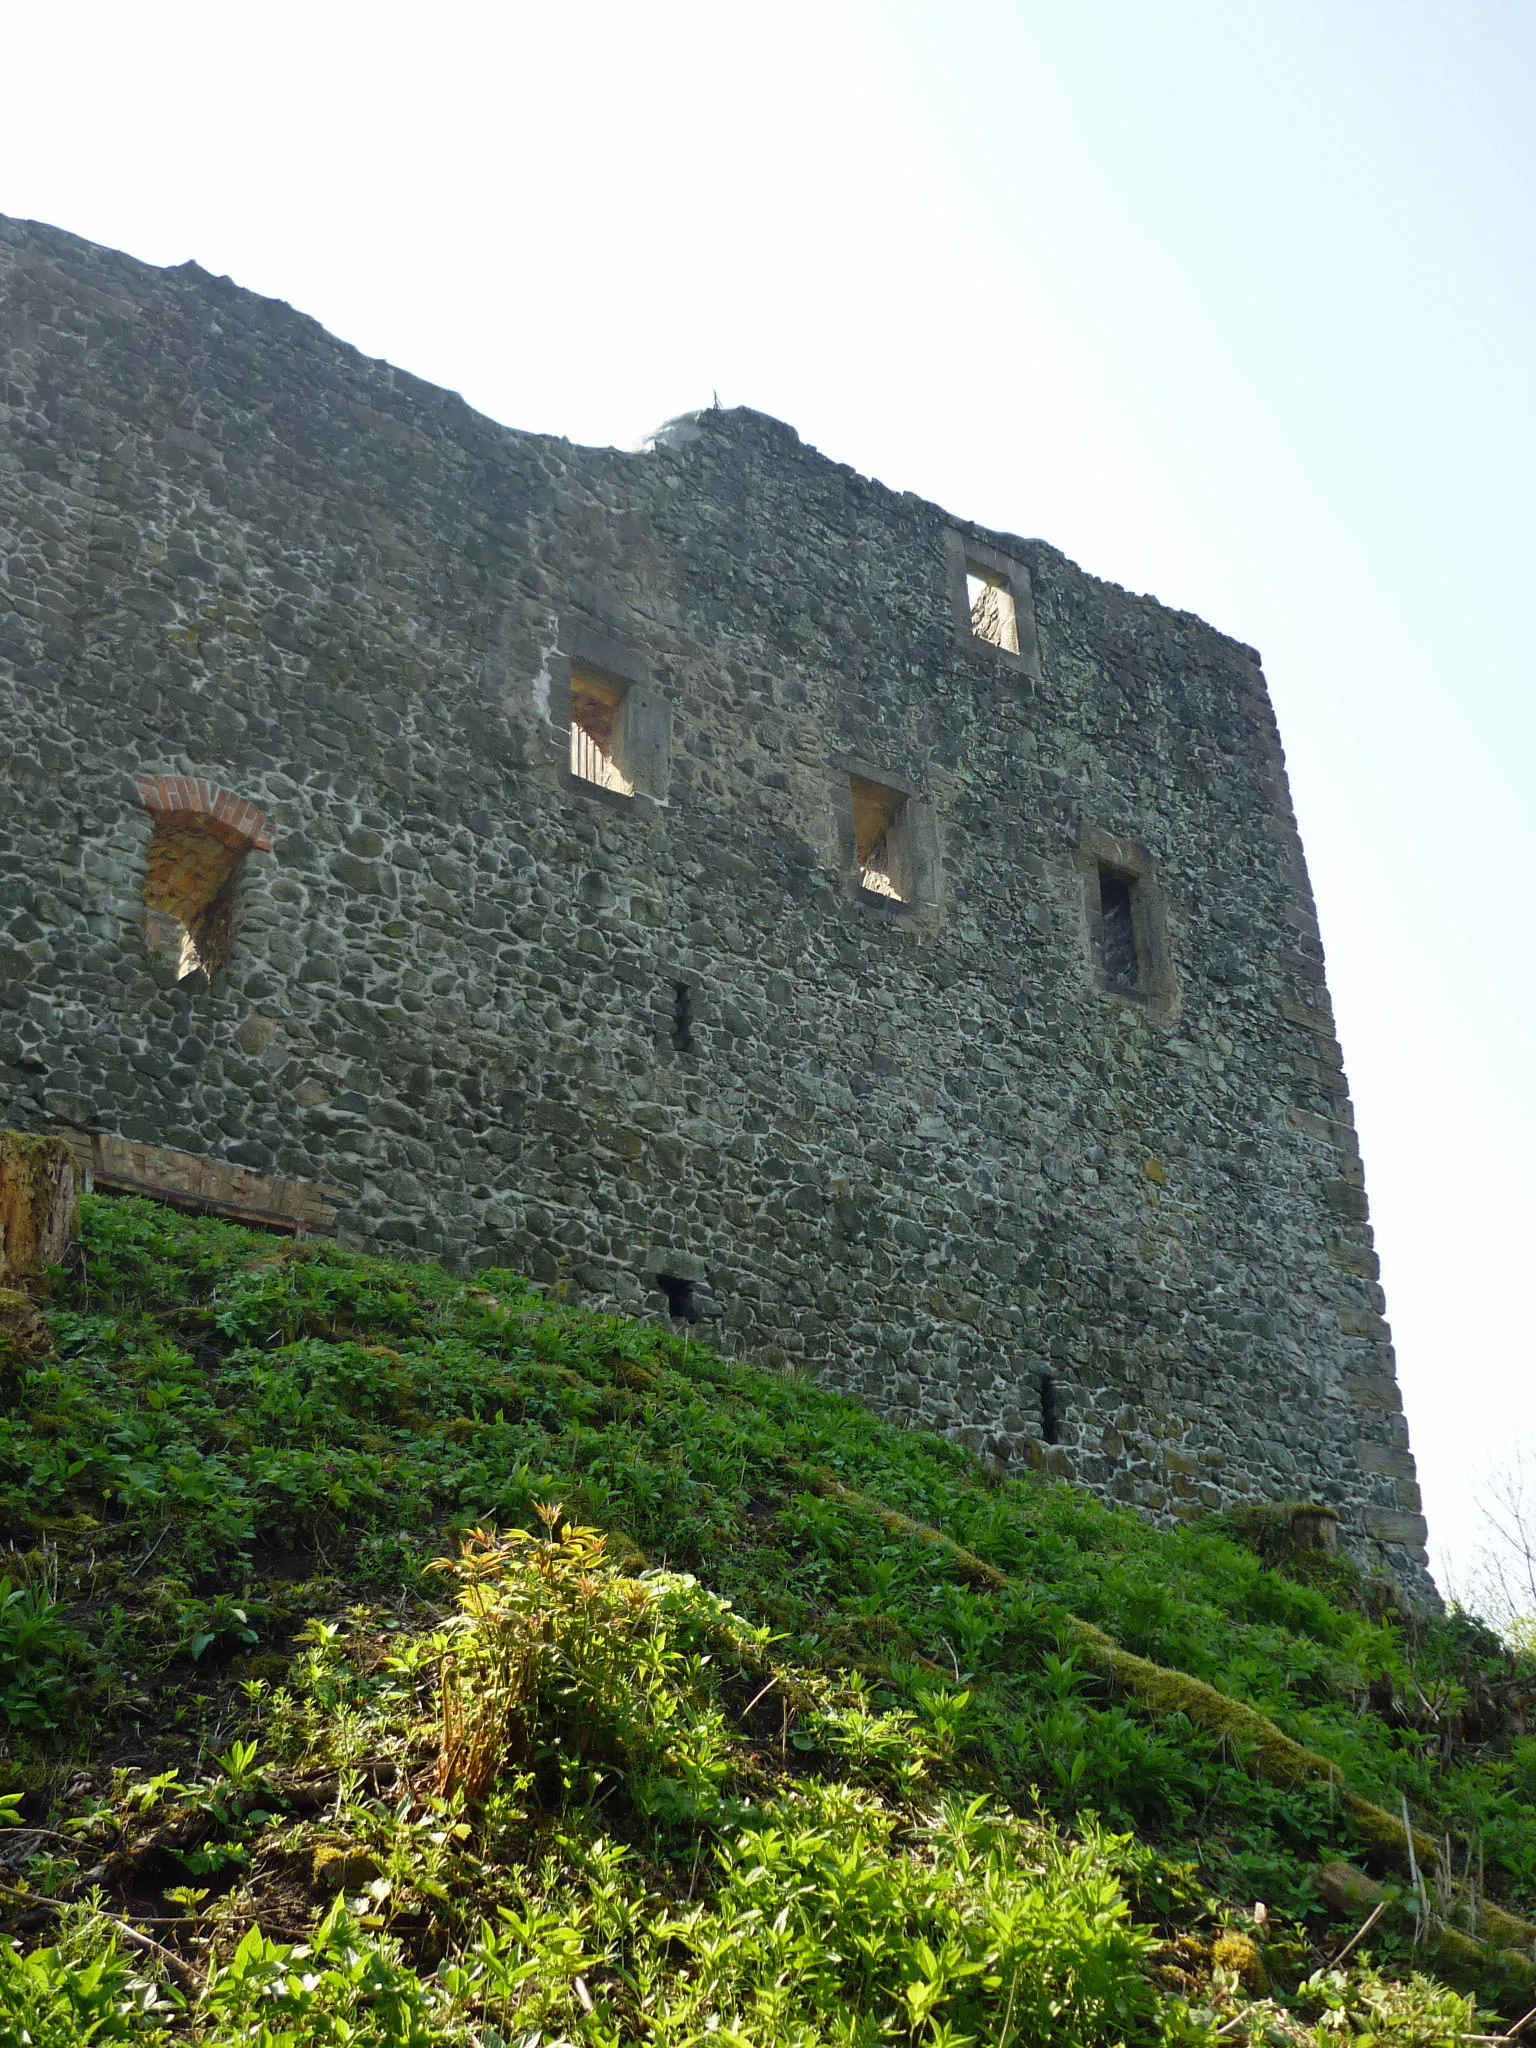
1360,1933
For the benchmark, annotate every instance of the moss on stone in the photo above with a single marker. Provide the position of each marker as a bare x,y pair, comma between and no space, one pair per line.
39,1204
24,1338
345,1868
23,1333
973,1568
1239,1953
1494,1972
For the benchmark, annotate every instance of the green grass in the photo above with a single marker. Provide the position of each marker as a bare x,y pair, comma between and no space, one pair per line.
757,1768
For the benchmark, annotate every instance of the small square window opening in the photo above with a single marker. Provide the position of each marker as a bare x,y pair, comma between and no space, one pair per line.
1119,954
878,839
680,1303
994,616
596,717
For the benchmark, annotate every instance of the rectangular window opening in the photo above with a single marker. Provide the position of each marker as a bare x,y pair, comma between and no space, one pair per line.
878,816
679,1293
1118,951
994,616
596,725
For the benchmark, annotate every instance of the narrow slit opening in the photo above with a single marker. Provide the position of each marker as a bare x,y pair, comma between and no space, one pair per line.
682,1017
1050,1410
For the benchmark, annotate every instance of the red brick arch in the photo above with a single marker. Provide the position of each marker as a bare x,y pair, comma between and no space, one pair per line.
186,799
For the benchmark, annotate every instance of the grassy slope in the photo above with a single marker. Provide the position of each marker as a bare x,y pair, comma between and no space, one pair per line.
654,1813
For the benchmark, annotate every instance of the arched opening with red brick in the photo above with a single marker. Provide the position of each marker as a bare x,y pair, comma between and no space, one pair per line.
200,835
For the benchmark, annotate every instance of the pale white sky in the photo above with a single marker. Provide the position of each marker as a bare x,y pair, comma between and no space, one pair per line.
1230,299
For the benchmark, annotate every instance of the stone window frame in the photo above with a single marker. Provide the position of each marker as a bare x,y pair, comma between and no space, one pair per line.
961,551
643,755
922,839
1157,993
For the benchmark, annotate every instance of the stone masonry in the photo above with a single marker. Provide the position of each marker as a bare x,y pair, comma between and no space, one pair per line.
941,1016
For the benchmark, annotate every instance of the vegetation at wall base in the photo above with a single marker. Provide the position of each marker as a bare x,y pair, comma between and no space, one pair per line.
392,1658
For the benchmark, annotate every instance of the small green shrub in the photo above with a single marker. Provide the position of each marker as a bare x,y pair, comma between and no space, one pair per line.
38,1652
556,1645
77,1993
344,1988
215,1626
1364,2006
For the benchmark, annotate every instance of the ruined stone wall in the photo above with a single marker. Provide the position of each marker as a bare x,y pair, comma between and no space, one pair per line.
934,1151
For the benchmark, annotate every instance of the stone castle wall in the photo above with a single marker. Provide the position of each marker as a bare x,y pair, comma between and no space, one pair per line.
939,1151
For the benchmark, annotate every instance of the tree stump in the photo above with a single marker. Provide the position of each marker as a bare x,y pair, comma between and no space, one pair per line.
1315,1528
39,1205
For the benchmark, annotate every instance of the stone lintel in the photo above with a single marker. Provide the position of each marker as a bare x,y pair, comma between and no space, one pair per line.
208,1187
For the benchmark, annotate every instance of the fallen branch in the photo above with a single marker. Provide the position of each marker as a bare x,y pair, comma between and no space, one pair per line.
1359,1934
187,1977
1265,1749
186,1974
760,1695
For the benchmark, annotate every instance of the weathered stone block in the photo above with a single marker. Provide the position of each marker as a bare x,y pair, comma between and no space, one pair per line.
1363,1322
1394,1526
1385,1459
1372,1390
